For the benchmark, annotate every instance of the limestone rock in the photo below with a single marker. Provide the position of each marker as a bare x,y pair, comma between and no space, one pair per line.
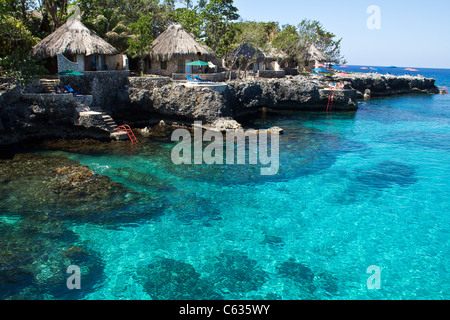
194,103
277,130
224,124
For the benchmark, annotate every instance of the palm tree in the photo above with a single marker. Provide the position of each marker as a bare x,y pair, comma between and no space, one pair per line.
110,26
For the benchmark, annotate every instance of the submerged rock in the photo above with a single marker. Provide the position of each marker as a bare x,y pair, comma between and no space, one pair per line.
307,280
32,183
34,257
388,173
234,272
168,279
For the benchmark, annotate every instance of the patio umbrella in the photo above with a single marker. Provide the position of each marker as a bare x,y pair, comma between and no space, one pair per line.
343,66
364,68
197,63
69,73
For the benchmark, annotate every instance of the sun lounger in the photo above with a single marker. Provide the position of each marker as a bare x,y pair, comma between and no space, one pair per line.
190,79
199,79
70,90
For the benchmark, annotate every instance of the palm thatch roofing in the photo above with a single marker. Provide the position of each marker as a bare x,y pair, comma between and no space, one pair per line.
73,37
246,51
175,43
273,53
315,54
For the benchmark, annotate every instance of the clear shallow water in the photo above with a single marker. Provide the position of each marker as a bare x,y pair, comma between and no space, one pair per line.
353,190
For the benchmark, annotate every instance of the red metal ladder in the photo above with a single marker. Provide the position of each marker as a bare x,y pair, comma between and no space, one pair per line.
126,128
331,98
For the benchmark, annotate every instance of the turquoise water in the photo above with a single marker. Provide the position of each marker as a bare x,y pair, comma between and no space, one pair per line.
353,190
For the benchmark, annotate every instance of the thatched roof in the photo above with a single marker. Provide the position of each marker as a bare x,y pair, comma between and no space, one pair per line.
273,53
73,37
175,43
246,51
315,54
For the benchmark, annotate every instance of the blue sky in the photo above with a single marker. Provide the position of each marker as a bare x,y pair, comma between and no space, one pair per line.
413,33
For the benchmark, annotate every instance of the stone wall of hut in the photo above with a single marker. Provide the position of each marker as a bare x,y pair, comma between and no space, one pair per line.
114,60
65,64
171,68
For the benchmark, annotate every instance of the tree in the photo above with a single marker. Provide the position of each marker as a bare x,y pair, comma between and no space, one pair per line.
15,43
217,15
112,19
14,36
190,20
57,10
312,32
19,9
288,41
140,44
111,25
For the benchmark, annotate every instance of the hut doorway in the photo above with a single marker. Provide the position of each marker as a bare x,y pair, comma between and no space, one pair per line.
51,64
181,66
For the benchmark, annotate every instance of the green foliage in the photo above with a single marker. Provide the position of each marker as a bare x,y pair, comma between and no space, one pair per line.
288,41
56,11
313,32
190,20
15,43
21,67
131,26
110,24
14,36
140,44
217,16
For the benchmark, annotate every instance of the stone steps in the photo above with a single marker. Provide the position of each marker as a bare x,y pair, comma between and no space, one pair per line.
49,85
110,123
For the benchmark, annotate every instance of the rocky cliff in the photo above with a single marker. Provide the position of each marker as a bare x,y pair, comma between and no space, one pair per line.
40,116
237,98
387,85
143,101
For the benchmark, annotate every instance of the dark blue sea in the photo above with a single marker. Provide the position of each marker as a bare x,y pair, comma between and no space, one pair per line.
354,190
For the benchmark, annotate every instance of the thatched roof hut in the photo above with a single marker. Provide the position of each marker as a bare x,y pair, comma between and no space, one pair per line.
246,51
313,58
177,43
275,53
314,54
72,38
